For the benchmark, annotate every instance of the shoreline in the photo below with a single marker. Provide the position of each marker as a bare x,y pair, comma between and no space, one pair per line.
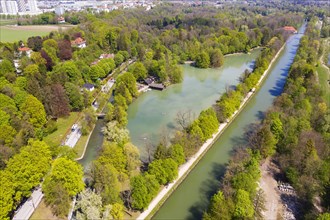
185,168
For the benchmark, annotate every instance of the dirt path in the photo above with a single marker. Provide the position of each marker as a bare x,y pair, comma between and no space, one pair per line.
269,185
38,27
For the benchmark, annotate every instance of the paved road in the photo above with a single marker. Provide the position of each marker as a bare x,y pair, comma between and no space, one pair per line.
27,209
73,138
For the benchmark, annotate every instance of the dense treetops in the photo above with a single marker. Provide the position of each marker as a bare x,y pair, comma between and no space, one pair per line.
48,85
23,172
296,138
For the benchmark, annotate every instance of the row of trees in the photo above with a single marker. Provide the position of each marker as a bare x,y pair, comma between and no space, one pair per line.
296,138
300,123
239,197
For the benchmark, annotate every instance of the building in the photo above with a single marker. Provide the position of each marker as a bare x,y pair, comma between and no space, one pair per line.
107,56
23,49
18,7
290,29
78,42
9,7
60,20
59,11
88,86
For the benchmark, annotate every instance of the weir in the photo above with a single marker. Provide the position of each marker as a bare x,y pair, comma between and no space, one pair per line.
192,197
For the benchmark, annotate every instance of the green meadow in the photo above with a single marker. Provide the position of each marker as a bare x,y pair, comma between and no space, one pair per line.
12,35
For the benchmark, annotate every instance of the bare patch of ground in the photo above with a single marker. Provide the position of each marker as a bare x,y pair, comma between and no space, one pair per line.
43,212
281,199
269,185
39,27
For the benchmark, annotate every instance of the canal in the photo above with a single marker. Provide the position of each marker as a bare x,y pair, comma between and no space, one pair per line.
153,113
192,197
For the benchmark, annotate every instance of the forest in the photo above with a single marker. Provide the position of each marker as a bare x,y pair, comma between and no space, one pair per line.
48,86
295,134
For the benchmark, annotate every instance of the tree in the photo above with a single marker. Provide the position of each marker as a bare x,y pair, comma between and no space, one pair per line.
129,81
110,111
263,140
66,172
139,71
35,43
6,67
88,205
140,198
119,59
244,206
58,199
115,133
23,172
105,181
202,60
161,152
64,181
58,100
38,59
220,208
176,152
132,158
324,216
50,43
117,211
65,50
120,115
70,72
164,170
96,72
76,99
217,59
34,111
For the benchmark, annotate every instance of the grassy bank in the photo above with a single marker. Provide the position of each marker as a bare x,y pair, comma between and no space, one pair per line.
63,126
323,74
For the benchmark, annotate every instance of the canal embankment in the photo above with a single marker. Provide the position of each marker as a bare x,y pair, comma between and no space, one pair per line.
192,196
189,165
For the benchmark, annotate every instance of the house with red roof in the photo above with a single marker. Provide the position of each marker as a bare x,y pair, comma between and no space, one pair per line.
290,29
78,42
61,20
26,50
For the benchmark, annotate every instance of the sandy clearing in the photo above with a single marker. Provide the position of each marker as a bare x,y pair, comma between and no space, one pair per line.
38,27
269,185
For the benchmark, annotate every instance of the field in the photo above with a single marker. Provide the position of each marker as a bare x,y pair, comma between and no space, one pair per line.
12,33
63,126
323,78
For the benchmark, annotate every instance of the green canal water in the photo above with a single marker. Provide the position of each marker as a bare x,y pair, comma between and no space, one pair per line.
153,115
192,197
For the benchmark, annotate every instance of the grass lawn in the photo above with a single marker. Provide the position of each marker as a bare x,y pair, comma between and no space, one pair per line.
12,33
42,212
80,146
63,126
323,78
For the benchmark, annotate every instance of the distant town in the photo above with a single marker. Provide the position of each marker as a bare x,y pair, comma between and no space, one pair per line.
34,7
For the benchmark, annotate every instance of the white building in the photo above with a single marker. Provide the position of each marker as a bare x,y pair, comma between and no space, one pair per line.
59,11
9,7
18,7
